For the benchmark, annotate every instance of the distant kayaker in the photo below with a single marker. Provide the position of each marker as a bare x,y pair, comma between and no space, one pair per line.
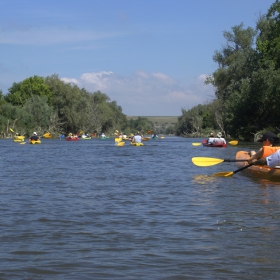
137,138
103,135
34,137
269,141
211,139
220,139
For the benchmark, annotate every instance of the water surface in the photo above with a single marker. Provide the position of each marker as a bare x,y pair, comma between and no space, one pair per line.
91,210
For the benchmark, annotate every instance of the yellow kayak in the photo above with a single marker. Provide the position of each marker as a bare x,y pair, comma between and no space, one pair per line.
18,138
35,141
137,144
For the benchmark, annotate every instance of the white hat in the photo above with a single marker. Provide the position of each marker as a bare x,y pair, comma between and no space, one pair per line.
34,133
219,134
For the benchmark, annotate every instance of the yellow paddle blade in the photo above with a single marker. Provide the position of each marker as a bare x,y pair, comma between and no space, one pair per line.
11,130
149,132
205,161
22,142
233,142
118,139
223,174
119,144
196,144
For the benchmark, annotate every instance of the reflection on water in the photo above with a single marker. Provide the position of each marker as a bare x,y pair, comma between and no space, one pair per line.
204,179
91,210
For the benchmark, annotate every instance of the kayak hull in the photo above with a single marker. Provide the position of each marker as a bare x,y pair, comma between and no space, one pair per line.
33,142
136,144
217,145
260,171
72,139
19,138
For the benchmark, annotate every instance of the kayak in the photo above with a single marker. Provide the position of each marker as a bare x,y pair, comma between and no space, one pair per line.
35,141
85,138
72,139
217,144
136,144
260,171
104,138
18,138
47,135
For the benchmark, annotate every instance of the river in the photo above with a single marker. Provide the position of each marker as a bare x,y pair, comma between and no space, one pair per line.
91,210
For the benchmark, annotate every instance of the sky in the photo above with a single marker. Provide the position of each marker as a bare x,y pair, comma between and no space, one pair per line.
150,56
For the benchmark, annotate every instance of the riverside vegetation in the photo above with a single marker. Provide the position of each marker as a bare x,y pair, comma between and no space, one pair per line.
246,83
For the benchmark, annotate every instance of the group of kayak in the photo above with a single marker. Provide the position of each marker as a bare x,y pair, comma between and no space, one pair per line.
136,139
265,163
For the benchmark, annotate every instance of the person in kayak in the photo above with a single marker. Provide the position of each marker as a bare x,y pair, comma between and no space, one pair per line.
211,138
137,138
271,161
269,141
34,137
220,139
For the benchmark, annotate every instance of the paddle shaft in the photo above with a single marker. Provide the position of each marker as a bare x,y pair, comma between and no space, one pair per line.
234,160
242,168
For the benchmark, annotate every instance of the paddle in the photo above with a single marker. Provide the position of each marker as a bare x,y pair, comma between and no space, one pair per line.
11,130
149,132
261,161
229,174
196,144
206,161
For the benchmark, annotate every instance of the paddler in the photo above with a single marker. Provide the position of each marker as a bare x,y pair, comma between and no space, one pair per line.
269,141
137,138
34,137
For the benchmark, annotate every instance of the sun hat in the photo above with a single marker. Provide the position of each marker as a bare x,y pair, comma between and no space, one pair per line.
269,136
219,134
211,134
34,133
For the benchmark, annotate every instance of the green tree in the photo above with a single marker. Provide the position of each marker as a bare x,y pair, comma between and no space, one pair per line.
20,92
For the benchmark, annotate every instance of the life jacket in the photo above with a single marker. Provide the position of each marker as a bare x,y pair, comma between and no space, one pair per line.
268,150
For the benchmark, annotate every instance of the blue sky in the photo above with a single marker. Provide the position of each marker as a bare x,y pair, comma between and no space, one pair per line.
150,56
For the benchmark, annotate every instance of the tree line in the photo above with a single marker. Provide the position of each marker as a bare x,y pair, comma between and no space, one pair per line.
49,104
246,83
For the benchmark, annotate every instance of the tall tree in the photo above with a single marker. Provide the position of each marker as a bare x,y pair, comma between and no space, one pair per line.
20,92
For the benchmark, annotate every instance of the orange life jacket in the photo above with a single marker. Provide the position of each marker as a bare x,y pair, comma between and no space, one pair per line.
268,150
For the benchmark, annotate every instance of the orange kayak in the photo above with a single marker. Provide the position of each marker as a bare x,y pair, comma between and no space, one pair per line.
260,171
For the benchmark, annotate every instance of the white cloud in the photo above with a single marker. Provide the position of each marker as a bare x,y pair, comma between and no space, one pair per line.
146,94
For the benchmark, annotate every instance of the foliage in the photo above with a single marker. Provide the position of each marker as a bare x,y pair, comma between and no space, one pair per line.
140,124
246,83
20,92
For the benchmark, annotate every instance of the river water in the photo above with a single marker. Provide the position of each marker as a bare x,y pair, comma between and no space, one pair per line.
91,210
